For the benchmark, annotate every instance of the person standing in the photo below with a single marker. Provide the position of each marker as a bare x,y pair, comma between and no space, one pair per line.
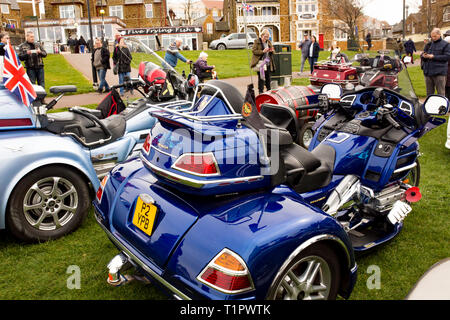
369,41
32,54
100,60
313,52
435,65
410,48
82,43
262,59
304,47
4,40
173,54
122,58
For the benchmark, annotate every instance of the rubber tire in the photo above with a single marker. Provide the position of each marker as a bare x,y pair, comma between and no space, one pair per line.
221,46
17,224
307,126
321,250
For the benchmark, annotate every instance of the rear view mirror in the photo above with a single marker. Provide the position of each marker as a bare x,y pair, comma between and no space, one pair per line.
436,105
332,90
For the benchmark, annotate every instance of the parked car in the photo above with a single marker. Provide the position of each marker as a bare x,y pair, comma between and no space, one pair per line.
233,41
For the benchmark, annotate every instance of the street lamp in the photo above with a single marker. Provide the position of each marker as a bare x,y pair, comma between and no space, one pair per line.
102,13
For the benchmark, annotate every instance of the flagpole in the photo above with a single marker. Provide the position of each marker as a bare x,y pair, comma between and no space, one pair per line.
244,6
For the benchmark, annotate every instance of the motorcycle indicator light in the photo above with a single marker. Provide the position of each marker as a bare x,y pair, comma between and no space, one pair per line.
200,164
227,273
99,193
146,145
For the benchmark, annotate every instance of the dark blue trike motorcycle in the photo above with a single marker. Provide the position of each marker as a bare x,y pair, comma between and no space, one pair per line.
221,204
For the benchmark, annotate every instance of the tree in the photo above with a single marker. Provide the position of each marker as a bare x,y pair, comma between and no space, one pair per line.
348,11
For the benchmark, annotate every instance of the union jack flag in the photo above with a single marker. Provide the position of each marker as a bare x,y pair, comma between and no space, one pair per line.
15,78
247,7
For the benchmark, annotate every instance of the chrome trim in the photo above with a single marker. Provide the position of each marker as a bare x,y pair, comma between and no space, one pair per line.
174,165
305,245
163,152
352,96
212,265
195,181
408,110
141,264
413,165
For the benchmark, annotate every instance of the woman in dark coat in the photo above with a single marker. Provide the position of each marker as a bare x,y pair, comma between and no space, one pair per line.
122,58
313,52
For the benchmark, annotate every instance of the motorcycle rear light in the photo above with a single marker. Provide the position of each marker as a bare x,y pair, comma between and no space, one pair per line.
227,273
146,145
203,164
99,193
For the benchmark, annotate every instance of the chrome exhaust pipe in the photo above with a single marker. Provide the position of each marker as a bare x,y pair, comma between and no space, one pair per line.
118,263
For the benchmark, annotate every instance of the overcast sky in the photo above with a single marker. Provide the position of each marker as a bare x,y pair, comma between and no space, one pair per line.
389,10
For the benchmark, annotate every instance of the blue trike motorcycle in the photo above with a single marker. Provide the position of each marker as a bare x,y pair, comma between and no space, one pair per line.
51,163
222,204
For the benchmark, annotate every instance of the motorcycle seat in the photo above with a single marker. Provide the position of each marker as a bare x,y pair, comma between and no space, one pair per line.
318,166
86,129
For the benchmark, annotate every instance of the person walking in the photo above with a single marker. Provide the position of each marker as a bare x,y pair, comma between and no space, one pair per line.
410,48
122,59
435,66
369,41
313,52
173,54
83,44
202,70
100,60
32,54
262,59
304,47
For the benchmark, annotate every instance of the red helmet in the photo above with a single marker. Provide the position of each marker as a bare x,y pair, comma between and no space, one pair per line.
151,73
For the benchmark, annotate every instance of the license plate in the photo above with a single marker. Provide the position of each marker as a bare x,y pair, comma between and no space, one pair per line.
144,215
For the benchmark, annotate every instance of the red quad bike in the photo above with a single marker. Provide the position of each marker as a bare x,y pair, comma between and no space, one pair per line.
280,103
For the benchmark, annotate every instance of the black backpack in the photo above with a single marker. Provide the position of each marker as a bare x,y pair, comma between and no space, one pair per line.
111,104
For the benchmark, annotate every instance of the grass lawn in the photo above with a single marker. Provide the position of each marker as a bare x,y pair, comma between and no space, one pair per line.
59,72
39,271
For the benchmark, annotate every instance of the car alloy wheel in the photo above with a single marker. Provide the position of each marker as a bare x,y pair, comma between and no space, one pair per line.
308,279
221,47
50,203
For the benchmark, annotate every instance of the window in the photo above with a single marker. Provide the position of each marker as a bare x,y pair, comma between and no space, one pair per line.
299,8
267,11
209,28
339,30
446,16
149,11
66,12
116,11
5,8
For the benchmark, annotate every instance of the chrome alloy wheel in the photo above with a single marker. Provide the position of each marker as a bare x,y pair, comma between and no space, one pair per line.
308,279
50,203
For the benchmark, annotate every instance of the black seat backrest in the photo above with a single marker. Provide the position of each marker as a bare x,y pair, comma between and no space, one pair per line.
282,116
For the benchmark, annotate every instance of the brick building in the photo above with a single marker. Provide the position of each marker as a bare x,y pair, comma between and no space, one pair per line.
434,13
65,18
287,20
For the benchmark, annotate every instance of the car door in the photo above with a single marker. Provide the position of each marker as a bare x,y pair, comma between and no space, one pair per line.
233,41
241,43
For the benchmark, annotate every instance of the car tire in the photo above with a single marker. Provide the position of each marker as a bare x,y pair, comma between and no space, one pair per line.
305,135
250,45
47,204
221,46
314,274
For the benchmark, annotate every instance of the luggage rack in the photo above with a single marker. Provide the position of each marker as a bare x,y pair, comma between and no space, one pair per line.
188,113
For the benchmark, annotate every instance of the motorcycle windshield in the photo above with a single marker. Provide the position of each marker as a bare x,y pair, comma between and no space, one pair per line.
151,65
395,71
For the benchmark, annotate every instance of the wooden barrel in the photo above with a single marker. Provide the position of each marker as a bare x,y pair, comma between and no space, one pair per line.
293,96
